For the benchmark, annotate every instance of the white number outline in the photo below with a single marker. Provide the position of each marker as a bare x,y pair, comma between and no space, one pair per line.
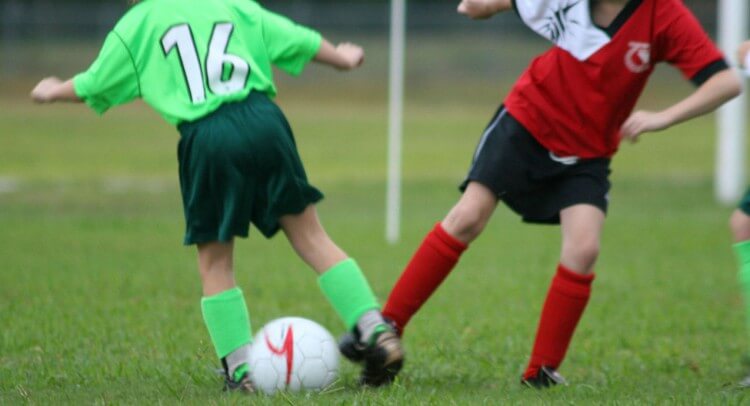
210,75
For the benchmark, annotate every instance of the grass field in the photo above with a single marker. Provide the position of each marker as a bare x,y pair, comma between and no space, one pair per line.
99,299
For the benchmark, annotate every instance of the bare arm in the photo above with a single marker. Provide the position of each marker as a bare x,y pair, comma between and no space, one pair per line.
743,56
344,56
482,9
52,89
718,90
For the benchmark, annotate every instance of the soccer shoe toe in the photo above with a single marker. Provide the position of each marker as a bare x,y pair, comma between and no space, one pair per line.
383,360
351,348
545,378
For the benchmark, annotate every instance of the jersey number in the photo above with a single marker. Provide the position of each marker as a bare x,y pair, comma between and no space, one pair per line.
181,38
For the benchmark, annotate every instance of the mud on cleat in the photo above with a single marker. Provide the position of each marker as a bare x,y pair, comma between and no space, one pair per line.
545,378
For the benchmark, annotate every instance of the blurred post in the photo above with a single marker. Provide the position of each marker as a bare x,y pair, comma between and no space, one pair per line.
395,120
732,123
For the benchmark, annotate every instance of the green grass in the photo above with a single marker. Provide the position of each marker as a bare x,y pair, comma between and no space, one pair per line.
99,300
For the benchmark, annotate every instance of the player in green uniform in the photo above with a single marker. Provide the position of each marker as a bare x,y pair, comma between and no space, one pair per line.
740,220
205,66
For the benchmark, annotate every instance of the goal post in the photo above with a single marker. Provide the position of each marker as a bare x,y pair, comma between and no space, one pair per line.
731,119
395,120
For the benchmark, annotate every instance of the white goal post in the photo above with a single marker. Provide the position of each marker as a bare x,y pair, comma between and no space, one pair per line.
731,119
395,120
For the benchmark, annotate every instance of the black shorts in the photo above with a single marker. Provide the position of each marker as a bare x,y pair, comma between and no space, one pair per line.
239,165
744,204
531,180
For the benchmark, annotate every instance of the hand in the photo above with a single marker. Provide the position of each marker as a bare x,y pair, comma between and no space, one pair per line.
643,121
44,91
477,9
353,54
742,54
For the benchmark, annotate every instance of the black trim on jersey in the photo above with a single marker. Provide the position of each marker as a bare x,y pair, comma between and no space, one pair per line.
621,18
709,71
132,60
515,9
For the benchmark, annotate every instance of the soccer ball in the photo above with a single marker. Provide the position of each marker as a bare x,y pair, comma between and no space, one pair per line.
293,354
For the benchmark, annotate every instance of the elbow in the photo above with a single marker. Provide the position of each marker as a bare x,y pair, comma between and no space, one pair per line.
734,85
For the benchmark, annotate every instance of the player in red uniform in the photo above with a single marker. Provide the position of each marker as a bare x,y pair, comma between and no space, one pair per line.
546,152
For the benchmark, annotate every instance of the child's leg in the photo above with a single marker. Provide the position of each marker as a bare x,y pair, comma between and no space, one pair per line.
740,225
224,309
341,279
346,288
571,287
439,253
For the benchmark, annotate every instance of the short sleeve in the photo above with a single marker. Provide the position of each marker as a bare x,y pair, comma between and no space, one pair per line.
290,46
111,80
687,46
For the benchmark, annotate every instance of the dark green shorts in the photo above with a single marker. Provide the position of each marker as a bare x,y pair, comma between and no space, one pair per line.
240,165
745,203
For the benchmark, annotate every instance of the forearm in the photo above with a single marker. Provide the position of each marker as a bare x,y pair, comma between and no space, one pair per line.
482,9
743,56
65,92
51,90
341,57
718,90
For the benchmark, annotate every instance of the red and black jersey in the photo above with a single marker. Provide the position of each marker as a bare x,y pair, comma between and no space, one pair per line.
575,97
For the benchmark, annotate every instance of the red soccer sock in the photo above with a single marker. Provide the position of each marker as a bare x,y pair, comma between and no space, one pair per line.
566,300
429,266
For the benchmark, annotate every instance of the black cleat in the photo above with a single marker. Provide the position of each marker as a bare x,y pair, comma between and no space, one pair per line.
352,349
545,378
382,359
243,385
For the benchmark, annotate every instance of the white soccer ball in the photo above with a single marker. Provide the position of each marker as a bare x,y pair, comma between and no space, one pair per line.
293,354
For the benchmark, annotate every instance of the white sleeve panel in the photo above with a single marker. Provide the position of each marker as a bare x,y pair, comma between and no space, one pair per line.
567,23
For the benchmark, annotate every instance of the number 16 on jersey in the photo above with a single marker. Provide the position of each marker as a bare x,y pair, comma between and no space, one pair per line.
180,37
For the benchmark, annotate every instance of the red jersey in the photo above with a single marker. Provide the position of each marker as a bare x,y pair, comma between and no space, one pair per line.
575,97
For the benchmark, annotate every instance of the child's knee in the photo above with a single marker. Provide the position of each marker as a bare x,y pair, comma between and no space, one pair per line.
739,223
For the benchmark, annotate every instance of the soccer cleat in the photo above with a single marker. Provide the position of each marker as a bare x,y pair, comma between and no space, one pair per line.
382,359
352,349
243,385
545,378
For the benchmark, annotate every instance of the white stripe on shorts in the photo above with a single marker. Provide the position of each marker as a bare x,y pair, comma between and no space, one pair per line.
487,132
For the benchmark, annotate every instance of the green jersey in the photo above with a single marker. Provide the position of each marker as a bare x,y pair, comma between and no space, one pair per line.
187,57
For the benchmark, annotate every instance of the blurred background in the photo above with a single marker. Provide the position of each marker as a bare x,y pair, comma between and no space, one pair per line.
96,288
61,36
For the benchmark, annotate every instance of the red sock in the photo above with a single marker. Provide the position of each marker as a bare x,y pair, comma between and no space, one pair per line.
429,266
566,300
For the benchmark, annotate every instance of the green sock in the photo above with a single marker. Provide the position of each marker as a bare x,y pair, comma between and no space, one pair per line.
742,249
227,320
347,290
